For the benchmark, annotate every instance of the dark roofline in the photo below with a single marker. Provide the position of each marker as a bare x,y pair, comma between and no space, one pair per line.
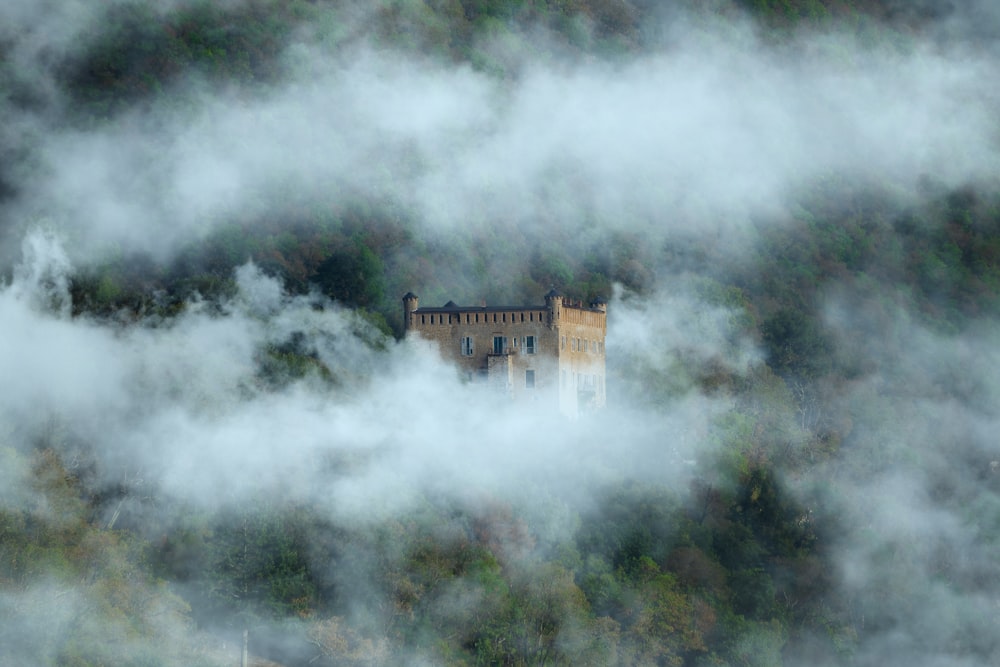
425,310
476,309
452,307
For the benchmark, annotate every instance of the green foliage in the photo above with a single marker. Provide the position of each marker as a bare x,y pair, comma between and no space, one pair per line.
659,581
352,275
74,593
796,344
259,566
551,269
140,51
731,559
283,363
343,645
34,542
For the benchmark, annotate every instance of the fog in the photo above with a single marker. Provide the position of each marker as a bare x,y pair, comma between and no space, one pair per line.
182,404
710,129
707,135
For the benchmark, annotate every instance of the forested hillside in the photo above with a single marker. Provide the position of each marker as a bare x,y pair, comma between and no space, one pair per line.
211,426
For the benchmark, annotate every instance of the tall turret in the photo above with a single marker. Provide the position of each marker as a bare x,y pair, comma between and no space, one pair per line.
410,303
553,301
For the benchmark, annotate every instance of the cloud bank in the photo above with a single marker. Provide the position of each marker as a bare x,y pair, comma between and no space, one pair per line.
711,128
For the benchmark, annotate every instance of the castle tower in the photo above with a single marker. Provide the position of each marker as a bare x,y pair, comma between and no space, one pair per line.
553,301
410,303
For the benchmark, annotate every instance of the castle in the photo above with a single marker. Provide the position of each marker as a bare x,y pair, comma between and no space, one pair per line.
552,353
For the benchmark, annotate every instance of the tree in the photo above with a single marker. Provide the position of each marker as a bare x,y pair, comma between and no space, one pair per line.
342,645
352,275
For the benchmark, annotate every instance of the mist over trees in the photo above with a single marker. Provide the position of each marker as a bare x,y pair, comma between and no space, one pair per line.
211,424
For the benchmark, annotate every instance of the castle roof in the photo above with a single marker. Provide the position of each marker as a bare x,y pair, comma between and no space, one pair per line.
452,307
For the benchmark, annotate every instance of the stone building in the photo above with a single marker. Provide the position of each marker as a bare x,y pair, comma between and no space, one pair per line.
552,353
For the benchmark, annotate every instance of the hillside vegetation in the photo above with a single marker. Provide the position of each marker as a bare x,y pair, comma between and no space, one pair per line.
869,309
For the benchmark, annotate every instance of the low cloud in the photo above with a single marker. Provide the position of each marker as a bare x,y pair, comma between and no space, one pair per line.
713,128
181,405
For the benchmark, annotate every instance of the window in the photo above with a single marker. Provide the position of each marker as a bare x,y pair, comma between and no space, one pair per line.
499,343
529,379
529,344
467,346
562,342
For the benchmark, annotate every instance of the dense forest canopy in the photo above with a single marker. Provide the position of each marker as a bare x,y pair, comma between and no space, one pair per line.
211,424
